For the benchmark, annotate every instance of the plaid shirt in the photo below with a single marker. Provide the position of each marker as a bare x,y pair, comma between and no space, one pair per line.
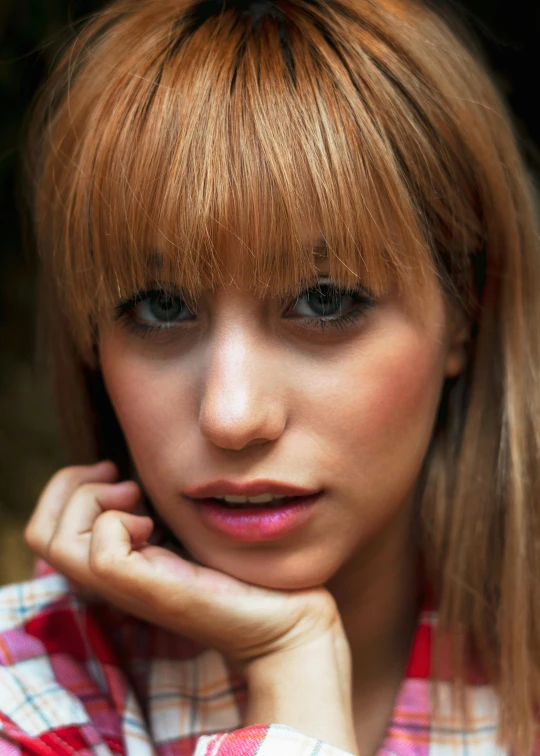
79,677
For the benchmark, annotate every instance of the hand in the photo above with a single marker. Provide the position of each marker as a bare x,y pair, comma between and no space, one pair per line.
84,527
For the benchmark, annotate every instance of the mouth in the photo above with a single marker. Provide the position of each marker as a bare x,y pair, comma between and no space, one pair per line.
263,521
268,502
262,490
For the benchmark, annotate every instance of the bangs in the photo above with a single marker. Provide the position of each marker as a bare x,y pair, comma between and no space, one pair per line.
216,148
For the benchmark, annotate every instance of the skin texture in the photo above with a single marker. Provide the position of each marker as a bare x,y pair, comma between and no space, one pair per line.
243,393
246,388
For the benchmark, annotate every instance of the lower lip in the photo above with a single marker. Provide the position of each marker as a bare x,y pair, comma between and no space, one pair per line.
257,523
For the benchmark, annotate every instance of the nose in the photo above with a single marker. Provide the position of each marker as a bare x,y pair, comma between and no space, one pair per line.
241,404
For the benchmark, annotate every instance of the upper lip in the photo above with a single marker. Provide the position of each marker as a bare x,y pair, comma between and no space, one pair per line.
251,488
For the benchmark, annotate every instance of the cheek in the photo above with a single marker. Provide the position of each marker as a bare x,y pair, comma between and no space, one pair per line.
363,418
359,425
148,401
403,390
383,404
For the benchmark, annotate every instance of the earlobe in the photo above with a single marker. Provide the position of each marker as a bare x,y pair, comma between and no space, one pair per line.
458,352
456,361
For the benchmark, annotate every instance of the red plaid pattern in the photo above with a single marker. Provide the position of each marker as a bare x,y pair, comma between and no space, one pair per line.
81,678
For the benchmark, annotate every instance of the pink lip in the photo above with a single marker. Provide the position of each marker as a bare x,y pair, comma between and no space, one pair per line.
256,523
251,488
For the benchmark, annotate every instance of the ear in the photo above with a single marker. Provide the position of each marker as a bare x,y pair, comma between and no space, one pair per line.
458,338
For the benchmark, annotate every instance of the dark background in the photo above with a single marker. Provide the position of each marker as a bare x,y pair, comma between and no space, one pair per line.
31,32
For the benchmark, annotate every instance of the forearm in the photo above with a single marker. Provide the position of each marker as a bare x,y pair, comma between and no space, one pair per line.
308,688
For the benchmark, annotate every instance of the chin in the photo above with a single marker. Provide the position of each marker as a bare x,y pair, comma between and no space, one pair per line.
271,570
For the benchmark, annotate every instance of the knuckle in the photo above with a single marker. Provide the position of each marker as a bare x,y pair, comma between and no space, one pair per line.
103,561
85,489
35,538
103,564
89,491
70,478
56,552
30,536
106,518
67,476
60,485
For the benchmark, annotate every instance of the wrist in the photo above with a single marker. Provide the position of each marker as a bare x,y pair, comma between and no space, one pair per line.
307,687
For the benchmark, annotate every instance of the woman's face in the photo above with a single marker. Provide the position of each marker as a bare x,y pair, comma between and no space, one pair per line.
246,389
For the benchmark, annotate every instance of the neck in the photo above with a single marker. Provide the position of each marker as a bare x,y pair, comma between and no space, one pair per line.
377,593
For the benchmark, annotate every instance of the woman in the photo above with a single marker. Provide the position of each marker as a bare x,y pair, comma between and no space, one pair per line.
290,273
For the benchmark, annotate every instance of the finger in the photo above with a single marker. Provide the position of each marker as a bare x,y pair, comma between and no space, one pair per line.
130,579
90,500
157,584
159,587
113,539
69,547
44,520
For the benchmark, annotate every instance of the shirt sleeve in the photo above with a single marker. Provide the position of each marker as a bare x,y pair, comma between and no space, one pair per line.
265,740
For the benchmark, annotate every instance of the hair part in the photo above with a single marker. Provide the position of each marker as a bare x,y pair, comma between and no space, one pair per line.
192,143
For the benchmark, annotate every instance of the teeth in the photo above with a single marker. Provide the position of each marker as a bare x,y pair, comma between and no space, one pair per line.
262,499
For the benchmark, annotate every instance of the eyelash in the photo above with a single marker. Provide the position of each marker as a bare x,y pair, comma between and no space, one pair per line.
123,311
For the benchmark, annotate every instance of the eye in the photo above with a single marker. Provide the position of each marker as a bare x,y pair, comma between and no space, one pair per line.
324,300
326,304
153,310
161,307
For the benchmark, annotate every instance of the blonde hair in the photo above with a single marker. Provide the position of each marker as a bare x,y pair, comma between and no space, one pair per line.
172,133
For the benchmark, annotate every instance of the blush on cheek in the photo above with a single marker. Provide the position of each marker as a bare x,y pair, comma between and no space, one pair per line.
391,424
407,389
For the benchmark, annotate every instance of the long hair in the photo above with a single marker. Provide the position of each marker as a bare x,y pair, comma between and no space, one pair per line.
174,133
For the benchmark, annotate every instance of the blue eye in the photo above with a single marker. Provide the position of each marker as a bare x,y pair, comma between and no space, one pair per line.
151,311
326,300
331,306
160,307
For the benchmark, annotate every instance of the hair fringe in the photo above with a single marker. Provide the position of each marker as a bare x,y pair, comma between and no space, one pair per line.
196,158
